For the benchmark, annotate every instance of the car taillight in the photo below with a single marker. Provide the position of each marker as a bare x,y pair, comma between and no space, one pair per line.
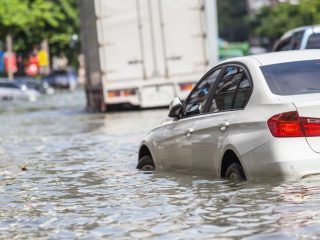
290,124
285,125
311,126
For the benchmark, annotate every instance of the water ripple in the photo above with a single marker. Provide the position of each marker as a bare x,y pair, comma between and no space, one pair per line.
81,183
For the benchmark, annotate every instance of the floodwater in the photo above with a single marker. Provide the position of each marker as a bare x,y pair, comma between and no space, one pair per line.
68,174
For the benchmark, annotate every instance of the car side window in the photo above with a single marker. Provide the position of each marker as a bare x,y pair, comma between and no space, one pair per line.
232,90
197,99
291,43
242,94
313,41
284,45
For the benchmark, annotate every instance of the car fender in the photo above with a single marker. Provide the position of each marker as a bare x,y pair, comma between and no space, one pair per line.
148,143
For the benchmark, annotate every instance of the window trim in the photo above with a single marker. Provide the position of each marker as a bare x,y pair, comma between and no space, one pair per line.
220,66
213,93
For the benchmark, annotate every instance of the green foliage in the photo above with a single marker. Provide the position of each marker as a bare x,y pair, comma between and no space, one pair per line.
272,22
232,20
31,21
13,15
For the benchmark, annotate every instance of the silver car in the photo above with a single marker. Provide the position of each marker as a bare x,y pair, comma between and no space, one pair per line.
254,117
307,37
11,89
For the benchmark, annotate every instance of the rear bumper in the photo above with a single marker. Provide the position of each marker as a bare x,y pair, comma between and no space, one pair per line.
282,159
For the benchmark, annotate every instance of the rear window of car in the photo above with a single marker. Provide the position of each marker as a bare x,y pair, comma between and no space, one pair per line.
293,78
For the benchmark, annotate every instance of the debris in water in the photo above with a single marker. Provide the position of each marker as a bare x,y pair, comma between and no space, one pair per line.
24,168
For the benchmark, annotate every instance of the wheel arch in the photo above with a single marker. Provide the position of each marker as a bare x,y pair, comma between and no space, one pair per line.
228,158
144,151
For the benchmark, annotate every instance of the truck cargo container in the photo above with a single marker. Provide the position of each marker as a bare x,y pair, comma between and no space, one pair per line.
143,53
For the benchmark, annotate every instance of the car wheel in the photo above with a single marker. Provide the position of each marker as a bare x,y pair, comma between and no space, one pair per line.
146,164
235,172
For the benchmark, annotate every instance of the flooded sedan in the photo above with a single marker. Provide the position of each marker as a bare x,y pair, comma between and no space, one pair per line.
248,118
68,174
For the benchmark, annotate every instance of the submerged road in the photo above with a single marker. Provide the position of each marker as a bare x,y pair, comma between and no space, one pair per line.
68,174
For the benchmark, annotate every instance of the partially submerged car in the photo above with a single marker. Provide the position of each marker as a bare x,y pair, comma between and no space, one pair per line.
65,78
11,89
36,84
254,117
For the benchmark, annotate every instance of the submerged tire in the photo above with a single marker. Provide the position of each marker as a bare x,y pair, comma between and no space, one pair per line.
146,164
235,172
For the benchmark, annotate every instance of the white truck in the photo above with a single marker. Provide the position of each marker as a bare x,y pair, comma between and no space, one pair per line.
143,53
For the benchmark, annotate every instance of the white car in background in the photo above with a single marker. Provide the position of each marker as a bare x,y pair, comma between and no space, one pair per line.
11,89
306,37
254,117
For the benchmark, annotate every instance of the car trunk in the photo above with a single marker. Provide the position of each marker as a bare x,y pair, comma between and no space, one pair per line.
309,109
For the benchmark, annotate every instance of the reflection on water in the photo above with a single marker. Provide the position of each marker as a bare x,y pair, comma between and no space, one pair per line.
81,183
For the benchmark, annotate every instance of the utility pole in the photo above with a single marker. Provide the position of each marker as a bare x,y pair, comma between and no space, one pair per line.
212,31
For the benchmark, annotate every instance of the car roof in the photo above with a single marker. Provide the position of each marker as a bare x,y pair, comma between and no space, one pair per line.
314,28
279,57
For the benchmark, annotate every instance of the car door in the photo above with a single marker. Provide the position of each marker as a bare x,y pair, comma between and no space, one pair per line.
228,97
163,140
179,155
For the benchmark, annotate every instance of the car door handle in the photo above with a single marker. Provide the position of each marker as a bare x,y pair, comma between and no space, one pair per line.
188,132
224,125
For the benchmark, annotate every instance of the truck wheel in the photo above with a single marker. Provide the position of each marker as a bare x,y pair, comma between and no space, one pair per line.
146,164
235,172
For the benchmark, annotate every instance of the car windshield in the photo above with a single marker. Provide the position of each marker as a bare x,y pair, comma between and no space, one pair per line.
292,78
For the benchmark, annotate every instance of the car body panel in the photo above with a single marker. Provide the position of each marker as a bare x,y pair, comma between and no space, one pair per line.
310,108
168,139
207,139
280,158
277,57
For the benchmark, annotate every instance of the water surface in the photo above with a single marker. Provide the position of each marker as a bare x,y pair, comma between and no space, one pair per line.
81,183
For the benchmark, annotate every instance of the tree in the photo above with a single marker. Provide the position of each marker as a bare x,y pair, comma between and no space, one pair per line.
13,17
272,22
32,21
232,20
59,26
64,36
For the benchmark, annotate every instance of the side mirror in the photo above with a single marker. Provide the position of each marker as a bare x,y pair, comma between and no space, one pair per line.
175,108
